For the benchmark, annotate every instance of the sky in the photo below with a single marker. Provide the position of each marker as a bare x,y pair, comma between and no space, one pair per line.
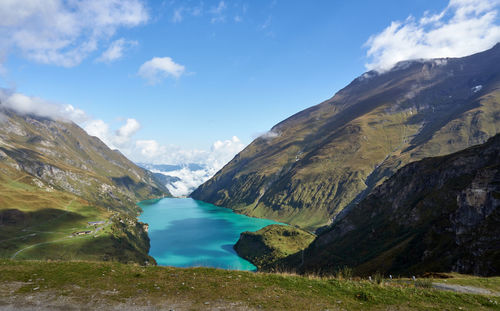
195,81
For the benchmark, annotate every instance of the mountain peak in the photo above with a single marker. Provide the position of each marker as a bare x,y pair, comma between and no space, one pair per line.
329,156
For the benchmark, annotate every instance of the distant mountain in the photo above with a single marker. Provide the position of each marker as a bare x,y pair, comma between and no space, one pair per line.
180,179
55,178
170,167
319,161
439,214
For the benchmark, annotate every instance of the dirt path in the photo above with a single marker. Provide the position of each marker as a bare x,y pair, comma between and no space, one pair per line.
464,289
48,242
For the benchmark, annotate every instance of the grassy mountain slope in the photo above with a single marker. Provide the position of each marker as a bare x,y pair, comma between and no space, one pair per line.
54,179
311,166
437,214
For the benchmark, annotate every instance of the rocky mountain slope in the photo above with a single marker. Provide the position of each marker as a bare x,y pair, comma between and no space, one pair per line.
55,179
319,161
437,214
62,156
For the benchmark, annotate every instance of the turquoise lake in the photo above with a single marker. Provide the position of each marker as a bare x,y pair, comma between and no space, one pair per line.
190,233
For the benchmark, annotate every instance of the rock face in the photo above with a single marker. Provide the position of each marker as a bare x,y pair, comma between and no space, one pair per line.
437,214
60,155
311,166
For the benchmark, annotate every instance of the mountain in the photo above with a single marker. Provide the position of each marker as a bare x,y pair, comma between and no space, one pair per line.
439,214
321,160
56,179
181,179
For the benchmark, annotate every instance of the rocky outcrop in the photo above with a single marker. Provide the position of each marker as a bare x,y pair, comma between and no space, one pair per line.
266,246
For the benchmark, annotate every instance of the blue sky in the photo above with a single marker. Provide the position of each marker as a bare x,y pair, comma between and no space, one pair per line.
223,68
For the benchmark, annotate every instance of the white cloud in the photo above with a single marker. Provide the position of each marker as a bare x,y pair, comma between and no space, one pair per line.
26,105
124,133
149,149
119,139
115,50
157,68
220,153
61,32
269,135
218,13
98,128
464,27
189,180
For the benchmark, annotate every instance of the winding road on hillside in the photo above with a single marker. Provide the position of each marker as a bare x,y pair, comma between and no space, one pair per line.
96,230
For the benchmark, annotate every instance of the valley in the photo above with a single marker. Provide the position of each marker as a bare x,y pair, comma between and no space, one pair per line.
249,155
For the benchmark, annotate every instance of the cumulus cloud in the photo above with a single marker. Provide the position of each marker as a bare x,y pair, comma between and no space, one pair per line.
119,139
157,68
61,32
149,149
115,50
29,105
464,27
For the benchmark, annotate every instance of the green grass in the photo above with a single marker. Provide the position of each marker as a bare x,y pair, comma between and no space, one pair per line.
38,224
197,288
271,243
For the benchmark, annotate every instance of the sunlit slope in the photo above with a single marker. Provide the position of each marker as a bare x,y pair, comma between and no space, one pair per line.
39,223
311,166
62,156
54,180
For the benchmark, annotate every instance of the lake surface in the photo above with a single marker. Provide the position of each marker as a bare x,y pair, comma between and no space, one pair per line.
190,233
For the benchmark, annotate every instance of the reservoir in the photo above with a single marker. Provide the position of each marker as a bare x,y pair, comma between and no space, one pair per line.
190,233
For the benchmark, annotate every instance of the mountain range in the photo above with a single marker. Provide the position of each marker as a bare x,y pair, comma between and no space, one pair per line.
327,158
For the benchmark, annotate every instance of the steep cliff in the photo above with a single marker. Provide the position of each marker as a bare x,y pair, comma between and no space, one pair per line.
437,214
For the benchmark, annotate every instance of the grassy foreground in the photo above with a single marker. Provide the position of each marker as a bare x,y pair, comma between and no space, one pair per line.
88,285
